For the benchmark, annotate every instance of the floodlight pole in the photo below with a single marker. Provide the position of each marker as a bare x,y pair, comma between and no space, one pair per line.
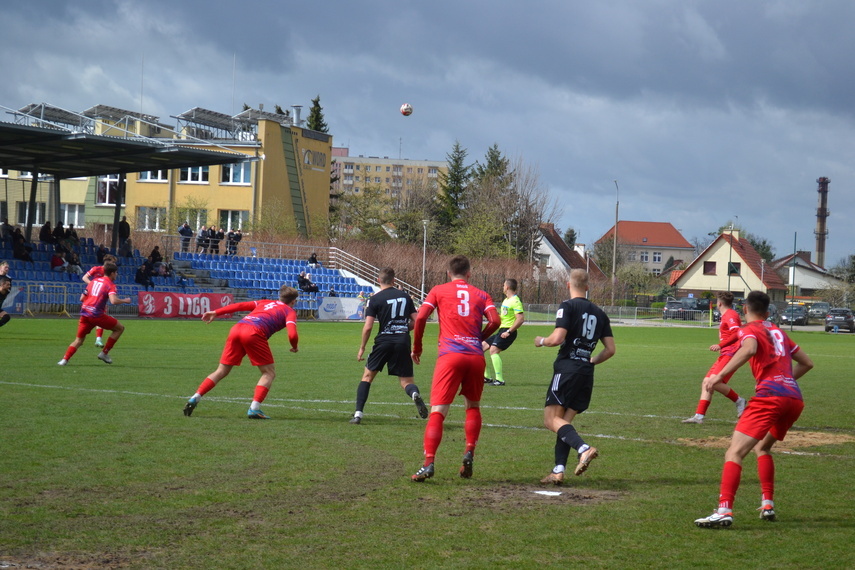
424,256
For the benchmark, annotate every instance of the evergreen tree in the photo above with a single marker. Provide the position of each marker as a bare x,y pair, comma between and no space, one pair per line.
570,238
453,186
316,117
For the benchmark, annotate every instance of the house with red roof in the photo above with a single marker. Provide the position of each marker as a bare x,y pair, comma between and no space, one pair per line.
808,277
556,255
650,243
730,263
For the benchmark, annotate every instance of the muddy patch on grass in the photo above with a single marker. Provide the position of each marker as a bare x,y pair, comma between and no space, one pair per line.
504,496
795,440
66,561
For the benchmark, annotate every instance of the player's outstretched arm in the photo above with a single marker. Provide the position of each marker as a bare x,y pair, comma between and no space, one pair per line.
209,316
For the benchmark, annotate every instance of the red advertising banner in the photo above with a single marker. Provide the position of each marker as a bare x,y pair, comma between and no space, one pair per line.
180,305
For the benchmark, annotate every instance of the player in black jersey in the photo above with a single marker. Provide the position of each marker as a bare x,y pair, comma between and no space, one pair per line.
5,287
395,311
579,326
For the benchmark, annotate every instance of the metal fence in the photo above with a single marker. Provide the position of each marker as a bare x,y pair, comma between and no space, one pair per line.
627,316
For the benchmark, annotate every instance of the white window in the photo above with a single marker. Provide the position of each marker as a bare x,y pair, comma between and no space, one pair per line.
388,168
348,168
377,180
196,218
397,169
432,171
631,256
151,219
645,257
73,214
358,167
657,257
236,173
377,168
28,174
194,175
421,170
234,219
154,176
657,271
24,208
4,173
108,189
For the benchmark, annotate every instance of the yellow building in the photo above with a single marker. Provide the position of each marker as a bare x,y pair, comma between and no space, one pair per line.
285,177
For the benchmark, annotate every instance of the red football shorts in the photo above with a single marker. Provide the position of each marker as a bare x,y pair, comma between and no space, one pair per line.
86,324
720,363
775,415
246,340
457,371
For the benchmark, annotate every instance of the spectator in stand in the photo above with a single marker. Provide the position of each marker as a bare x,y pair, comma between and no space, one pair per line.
100,253
182,282
127,249
237,238
202,240
46,234
124,230
143,277
59,234
217,236
230,242
305,283
313,260
73,263
5,229
156,257
331,292
186,234
57,263
20,249
71,240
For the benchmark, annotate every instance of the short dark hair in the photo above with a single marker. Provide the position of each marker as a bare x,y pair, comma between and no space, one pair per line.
757,302
287,294
386,276
725,297
459,265
110,268
4,280
512,284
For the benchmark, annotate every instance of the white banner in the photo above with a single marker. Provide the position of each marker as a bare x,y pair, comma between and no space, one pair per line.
341,309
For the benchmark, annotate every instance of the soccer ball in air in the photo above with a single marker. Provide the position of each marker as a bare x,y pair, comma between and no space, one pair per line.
406,109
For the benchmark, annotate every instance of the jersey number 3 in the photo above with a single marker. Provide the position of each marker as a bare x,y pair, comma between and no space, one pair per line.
463,305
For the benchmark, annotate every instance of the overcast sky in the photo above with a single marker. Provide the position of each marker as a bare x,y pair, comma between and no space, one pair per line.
702,111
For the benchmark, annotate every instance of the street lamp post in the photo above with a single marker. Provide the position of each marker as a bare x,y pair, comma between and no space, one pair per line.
614,242
424,256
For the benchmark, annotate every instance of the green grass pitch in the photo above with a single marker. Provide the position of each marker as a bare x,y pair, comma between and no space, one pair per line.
99,468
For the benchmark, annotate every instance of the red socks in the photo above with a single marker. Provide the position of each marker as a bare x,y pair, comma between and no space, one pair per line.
205,386
472,428
260,394
110,343
433,436
766,472
732,395
730,476
703,406
69,353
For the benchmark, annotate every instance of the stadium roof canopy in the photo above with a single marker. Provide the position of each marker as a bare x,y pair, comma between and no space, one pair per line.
69,154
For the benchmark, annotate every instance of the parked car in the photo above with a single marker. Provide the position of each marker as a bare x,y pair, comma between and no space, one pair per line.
672,310
774,315
841,318
818,310
794,315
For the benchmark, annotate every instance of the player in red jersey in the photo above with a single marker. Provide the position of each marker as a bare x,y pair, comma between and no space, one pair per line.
460,364
93,312
775,407
249,337
94,272
726,347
